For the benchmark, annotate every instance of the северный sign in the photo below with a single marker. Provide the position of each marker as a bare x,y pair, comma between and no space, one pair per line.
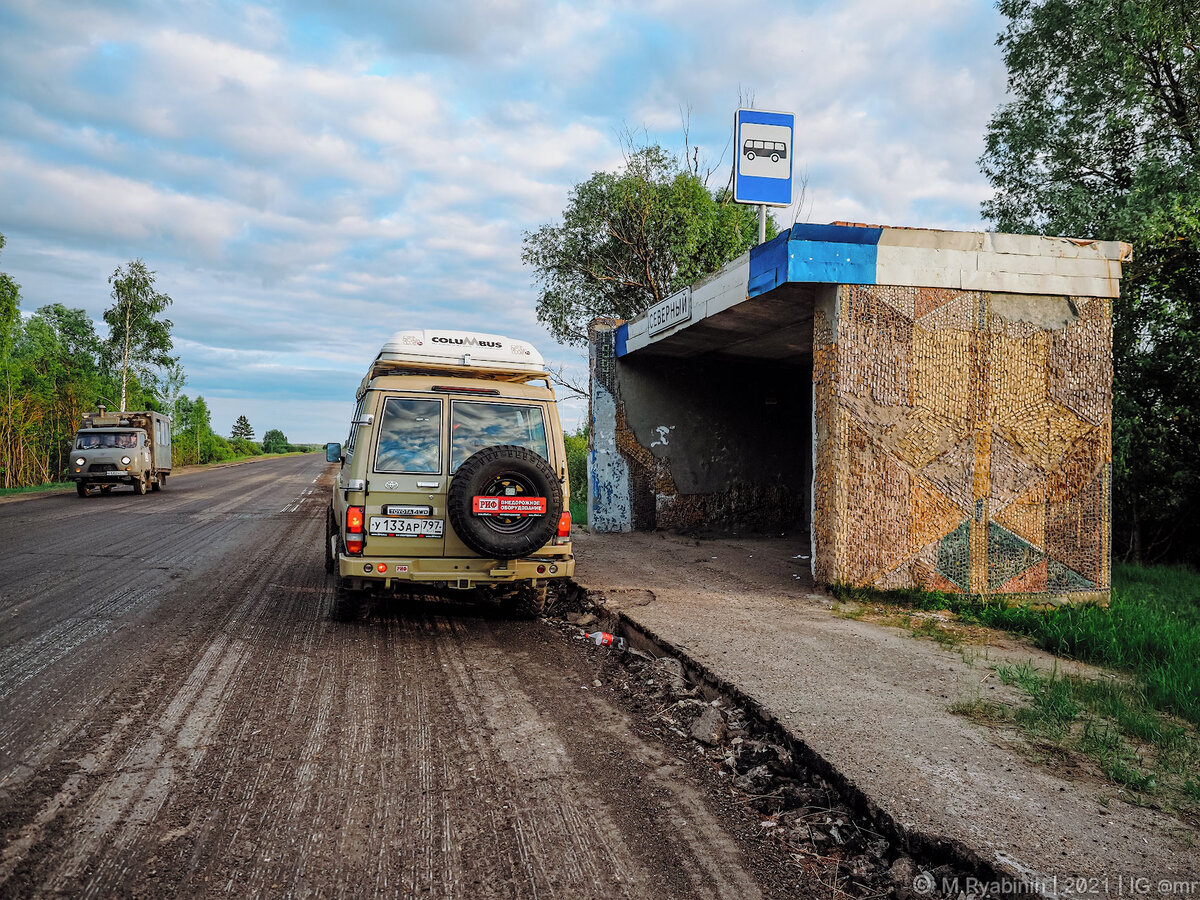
764,145
669,312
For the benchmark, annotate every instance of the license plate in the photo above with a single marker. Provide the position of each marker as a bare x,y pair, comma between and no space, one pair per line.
117,472
398,527
508,506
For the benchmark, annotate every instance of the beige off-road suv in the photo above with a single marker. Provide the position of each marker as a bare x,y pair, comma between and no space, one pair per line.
454,475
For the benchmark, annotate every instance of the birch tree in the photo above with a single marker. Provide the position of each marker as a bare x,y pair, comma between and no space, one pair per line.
139,342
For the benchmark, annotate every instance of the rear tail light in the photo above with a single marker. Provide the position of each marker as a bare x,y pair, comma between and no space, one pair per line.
354,529
564,528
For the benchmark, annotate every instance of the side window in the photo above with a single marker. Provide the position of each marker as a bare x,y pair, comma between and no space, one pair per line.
474,426
354,428
410,437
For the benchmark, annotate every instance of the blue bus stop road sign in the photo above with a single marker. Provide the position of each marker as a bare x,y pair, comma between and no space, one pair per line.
763,170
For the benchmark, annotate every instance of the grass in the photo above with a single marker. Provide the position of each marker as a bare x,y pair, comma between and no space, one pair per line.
1112,723
1139,728
1151,629
37,488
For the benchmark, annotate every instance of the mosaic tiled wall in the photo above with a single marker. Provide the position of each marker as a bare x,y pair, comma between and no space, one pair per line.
963,442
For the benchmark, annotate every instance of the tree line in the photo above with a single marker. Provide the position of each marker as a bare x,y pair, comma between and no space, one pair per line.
54,367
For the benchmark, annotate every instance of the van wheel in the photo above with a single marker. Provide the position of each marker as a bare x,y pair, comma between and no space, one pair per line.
346,602
139,486
156,484
162,481
530,601
106,488
82,489
330,559
504,471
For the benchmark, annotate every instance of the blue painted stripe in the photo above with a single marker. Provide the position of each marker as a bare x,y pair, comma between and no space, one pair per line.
827,254
836,234
830,263
768,265
622,338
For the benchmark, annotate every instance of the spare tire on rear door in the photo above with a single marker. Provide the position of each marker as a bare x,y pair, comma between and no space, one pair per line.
505,502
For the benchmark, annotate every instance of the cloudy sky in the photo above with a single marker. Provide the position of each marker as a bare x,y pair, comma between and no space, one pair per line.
308,176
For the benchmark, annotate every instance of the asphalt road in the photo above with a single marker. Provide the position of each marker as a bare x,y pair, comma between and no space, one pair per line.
179,716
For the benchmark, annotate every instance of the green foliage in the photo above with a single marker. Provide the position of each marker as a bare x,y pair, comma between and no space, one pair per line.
630,238
242,429
244,447
1151,628
577,473
139,342
1102,139
10,315
275,441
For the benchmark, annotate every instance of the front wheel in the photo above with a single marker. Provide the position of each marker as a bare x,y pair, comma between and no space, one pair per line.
139,486
749,155
82,489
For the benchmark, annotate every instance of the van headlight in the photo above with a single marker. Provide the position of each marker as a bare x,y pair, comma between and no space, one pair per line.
80,461
124,460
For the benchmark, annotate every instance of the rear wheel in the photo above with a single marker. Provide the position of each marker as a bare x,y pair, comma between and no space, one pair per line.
346,602
156,484
531,601
330,531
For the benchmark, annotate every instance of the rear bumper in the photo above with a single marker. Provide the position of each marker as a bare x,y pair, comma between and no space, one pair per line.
452,573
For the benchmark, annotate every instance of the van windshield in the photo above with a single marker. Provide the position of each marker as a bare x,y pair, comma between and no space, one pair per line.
105,439
474,426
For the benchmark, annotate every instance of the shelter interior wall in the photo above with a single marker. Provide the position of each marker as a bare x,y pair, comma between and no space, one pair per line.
716,444
963,442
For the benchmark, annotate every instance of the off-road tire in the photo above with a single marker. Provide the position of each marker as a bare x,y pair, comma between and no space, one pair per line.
82,489
493,469
106,488
162,481
530,602
139,486
346,602
330,559
155,485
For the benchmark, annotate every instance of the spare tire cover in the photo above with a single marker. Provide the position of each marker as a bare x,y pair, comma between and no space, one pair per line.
500,471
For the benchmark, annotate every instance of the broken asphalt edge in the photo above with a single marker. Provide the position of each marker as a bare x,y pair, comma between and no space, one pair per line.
926,848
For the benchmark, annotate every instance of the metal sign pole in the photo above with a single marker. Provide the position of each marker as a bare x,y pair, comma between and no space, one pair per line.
762,223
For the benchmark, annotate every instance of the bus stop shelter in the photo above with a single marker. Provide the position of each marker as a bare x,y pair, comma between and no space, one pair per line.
930,409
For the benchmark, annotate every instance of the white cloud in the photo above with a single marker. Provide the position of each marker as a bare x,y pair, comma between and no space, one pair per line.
308,177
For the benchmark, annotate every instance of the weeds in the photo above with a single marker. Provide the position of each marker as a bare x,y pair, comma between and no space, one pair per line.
1151,628
1129,725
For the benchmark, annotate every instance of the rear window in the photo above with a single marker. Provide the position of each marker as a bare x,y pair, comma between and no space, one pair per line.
474,426
410,437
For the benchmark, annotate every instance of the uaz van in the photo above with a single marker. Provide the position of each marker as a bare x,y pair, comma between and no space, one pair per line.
454,474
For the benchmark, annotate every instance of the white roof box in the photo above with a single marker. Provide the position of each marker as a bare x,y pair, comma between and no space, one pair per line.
441,350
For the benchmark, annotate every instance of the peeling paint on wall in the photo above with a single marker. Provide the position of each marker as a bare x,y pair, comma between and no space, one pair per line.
608,485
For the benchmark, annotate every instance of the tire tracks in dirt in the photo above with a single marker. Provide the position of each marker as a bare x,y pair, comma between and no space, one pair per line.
227,738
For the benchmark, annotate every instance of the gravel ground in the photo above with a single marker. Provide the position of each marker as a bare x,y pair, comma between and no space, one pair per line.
179,716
